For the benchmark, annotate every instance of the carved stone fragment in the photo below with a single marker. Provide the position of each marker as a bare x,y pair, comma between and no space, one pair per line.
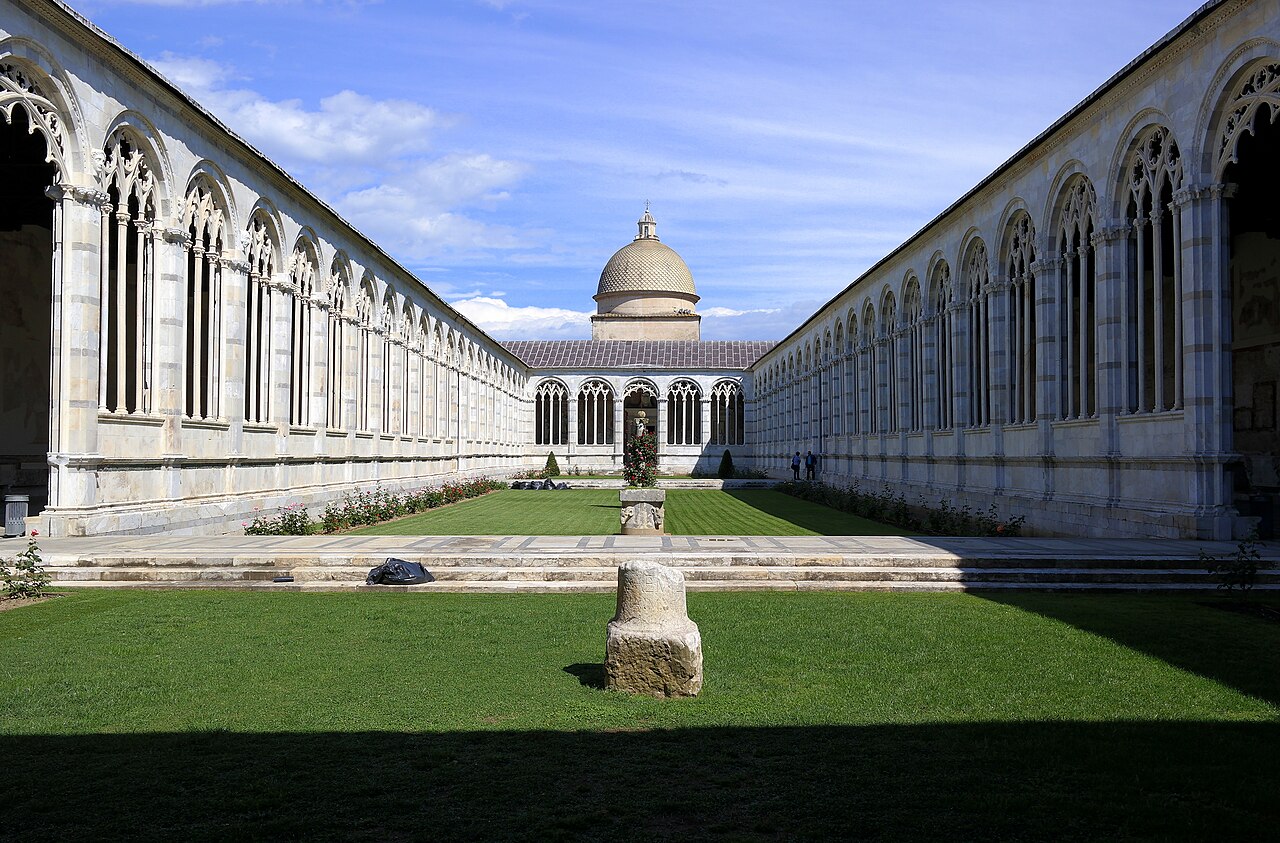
652,647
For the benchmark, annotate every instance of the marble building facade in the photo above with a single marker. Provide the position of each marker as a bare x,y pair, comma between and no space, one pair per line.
1089,337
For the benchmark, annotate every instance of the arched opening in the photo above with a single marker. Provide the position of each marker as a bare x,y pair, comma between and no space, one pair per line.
639,411
26,260
1255,317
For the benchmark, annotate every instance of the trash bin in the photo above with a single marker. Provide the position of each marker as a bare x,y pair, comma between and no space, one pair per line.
15,515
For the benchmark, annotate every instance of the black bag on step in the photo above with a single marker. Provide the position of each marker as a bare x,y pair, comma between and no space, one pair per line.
399,572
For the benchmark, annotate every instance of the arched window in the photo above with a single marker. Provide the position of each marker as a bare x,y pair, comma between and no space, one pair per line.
940,305
258,299
977,281
364,353
387,324
595,413
888,340
684,413
551,414
339,281
853,378
203,219
838,364
303,269
913,358
1022,321
1153,277
728,425
1078,301
870,365
128,273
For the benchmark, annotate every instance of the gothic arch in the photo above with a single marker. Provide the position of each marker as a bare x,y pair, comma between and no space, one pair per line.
262,239
1219,96
144,136
1134,134
29,75
1058,195
210,174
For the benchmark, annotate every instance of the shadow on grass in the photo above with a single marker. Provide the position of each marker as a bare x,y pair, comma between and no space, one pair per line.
808,515
1059,780
1248,661
589,675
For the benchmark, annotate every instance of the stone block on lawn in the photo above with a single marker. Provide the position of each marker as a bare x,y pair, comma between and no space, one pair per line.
642,511
652,647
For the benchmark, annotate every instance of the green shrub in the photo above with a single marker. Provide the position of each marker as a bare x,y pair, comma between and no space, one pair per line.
24,575
552,468
726,465
1238,571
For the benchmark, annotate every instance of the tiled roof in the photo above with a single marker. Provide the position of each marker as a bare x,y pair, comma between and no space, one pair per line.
649,354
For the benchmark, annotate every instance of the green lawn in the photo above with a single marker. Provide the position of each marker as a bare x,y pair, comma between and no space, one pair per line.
224,715
594,512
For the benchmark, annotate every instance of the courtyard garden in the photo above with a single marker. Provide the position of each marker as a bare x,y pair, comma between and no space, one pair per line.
594,512
219,715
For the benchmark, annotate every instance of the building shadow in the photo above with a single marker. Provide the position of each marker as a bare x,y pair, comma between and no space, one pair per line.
790,509
1058,780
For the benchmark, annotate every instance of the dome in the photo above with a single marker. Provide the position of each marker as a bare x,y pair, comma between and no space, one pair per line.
646,265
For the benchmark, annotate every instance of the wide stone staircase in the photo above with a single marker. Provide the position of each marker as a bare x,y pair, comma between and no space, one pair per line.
589,564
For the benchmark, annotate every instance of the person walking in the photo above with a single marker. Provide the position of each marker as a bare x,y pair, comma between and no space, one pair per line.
795,465
810,465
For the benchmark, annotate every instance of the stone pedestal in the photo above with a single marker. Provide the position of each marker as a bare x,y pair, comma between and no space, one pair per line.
642,511
652,647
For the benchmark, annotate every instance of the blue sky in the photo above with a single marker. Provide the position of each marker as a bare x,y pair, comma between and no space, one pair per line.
503,149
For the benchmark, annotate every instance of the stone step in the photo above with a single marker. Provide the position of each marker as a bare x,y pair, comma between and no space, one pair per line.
596,560
715,573
594,586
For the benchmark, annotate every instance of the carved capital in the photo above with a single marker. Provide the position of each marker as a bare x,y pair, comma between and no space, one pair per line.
176,235
239,266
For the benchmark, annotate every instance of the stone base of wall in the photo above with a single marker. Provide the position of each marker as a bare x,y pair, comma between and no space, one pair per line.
223,515
1064,517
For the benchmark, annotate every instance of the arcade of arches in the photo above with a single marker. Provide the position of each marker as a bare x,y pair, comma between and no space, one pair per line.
1089,338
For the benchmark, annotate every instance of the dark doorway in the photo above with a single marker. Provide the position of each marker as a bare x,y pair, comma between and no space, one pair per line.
639,412
26,256
1255,320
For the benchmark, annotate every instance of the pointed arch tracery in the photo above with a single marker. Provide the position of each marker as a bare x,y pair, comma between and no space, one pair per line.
204,221
684,413
977,284
1078,300
595,413
18,87
128,274
1019,266
728,414
1152,301
262,254
551,413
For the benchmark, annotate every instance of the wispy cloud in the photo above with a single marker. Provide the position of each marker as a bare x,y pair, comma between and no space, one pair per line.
373,159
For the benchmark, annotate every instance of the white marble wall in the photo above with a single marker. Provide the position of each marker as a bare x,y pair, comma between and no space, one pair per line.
157,468
1113,469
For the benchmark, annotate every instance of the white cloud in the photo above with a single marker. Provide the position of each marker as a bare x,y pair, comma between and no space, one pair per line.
372,159
504,322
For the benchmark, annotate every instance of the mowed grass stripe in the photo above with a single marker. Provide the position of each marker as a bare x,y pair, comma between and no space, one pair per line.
594,512
215,715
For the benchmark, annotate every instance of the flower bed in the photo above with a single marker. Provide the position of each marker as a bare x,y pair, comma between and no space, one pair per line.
371,507
888,508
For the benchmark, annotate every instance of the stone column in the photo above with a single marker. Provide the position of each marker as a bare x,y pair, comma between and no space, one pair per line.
1109,254
705,409
1048,274
1206,352
76,328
